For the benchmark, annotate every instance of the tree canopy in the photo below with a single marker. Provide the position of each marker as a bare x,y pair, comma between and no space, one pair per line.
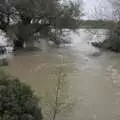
39,16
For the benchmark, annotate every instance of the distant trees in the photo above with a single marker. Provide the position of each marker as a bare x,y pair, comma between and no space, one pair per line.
105,24
39,16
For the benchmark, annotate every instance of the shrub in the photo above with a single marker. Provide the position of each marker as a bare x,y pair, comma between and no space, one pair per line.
113,41
17,101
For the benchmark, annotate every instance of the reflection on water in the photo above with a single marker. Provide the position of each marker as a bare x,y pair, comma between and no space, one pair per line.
93,81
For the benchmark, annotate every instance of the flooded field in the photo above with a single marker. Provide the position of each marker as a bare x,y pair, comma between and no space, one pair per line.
92,81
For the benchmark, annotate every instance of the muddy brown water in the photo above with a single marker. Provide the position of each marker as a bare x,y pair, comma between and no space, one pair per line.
93,82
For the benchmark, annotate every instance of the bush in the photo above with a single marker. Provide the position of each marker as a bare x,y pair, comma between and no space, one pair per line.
113,41
17,101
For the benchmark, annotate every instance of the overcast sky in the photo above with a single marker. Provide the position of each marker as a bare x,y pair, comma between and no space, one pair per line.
97,9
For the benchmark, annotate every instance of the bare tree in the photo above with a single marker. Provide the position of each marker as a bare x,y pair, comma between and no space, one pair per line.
59,101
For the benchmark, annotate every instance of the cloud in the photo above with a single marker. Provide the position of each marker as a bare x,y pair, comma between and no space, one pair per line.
97,9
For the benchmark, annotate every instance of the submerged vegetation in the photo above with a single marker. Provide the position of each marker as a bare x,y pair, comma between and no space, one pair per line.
3,62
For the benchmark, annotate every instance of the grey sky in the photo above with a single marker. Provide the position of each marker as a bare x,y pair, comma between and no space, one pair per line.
97,9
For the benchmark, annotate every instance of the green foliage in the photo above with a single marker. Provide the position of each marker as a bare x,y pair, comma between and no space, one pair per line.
17,101
40,16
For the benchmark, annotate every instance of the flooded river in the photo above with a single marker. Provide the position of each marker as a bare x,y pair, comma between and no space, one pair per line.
92,81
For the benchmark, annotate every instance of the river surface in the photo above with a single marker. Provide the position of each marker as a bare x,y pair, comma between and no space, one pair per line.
92,81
